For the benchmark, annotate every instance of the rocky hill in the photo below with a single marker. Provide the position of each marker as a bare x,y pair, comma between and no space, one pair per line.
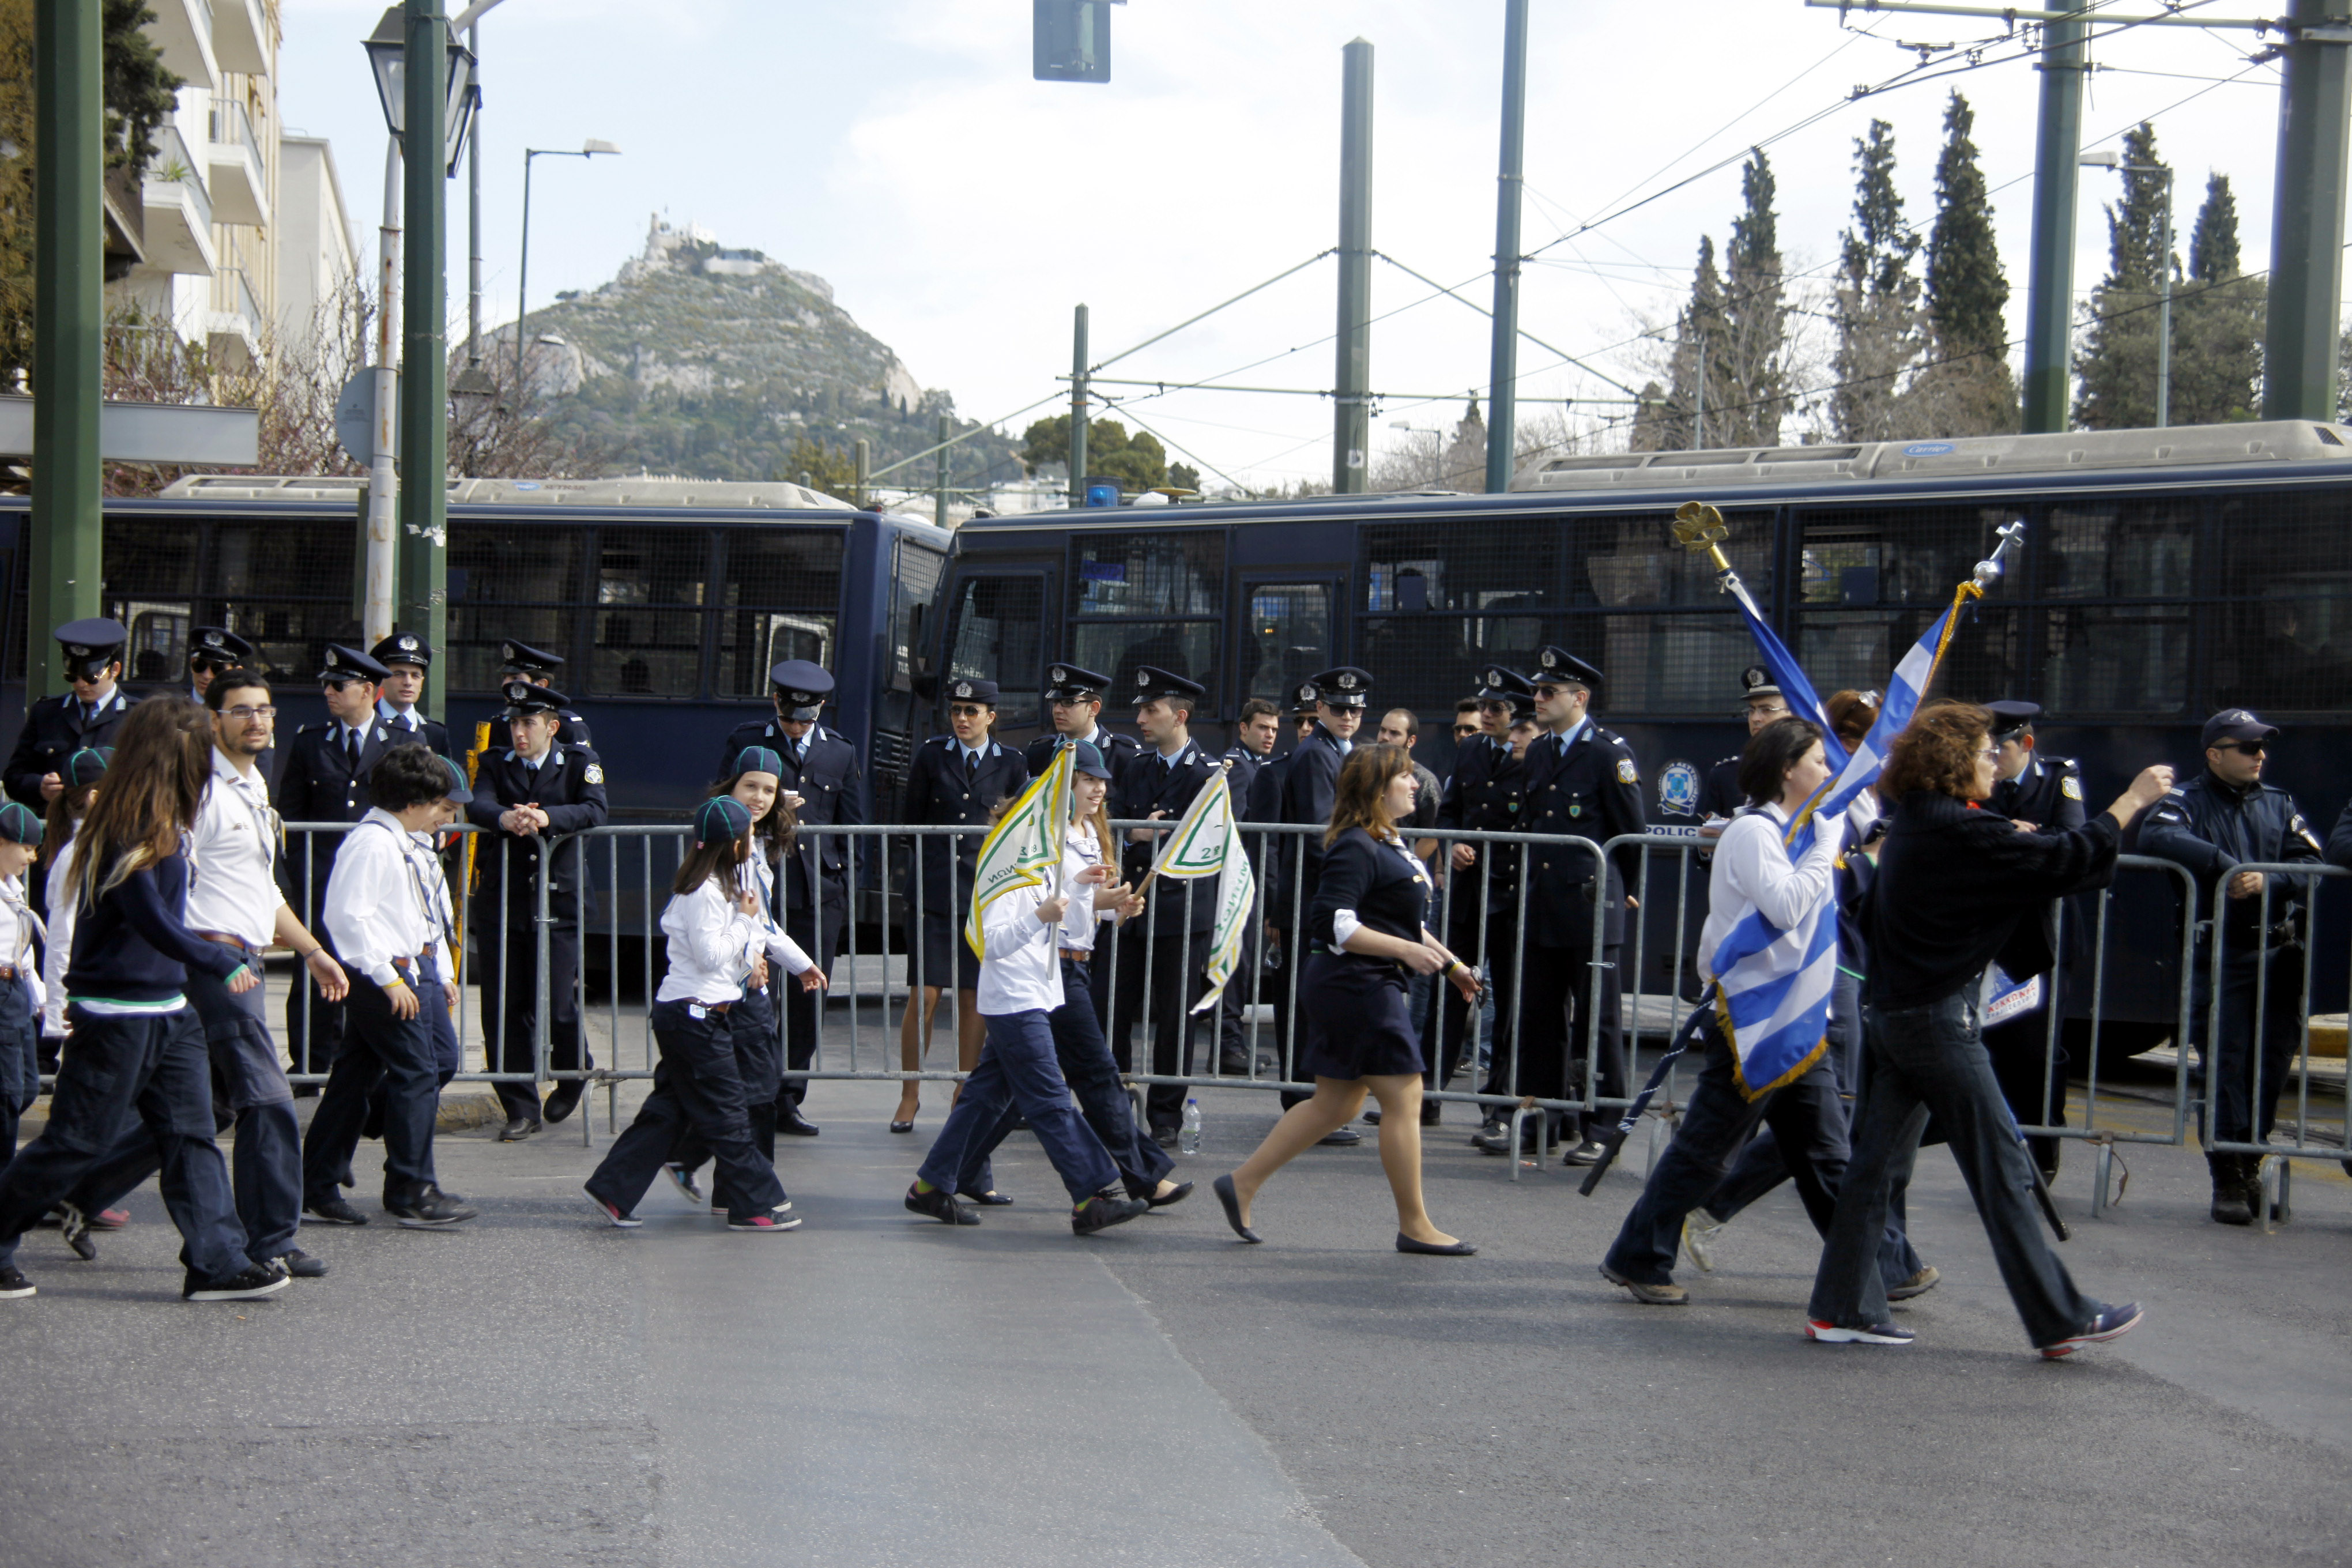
700,360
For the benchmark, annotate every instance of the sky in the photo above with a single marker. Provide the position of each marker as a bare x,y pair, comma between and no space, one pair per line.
961,209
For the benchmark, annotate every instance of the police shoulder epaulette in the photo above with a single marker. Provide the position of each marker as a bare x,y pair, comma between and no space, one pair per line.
313,729
941,740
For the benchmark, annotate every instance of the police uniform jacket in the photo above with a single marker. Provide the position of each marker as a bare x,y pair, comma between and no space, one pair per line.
573,730
1309,780
831,787
569,786
1242,778
1719,795
316,783
1487,793
1590,790
53,731
2339,840
1115,749
938,795
1386,887
1149,782
2048,793
431,732
2212,828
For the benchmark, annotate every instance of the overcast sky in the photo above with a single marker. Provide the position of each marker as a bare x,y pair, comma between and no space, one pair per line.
900,149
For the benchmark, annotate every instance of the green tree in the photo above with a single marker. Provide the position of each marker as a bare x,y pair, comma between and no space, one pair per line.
2116,357
2216,321
1755,312
1691,411
1876,305
1965,388
1139,462
832,469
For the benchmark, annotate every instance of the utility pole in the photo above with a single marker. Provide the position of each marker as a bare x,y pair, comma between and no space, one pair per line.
2306,287
1352,431
2050,295
425,354
1698,413
1503,372
474,218
2164,314
1078,409
865,462
381,596
940,488
69,331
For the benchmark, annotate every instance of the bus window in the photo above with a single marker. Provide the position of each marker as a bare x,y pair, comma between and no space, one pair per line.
1146,599
1671,642
2104,657
159,641
509,580
780,595
1442,602
2283,633
284,584
1287,640
649,596
1875,578
912,587
997,634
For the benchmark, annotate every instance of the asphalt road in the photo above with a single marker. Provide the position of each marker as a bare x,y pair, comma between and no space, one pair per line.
877,1389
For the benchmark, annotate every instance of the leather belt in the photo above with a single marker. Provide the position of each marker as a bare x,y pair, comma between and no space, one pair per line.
7,972
1077,955
225,939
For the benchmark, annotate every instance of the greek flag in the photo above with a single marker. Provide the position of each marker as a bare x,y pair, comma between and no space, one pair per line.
1024,847
1773,985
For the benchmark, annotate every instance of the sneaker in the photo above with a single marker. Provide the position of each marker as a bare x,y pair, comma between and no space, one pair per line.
297,1264
780,1218
75,1226
248,1283
1876,1334
1667,1295
430,1210
683,1180
1919,1284
941,1205
336,1211
1104,1210
14,1285
615,1216
1701,1230
2109,1323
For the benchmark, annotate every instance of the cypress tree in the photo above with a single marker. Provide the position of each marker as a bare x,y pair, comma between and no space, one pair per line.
1967,388
2216,321
2115,359
1756,314
1875,304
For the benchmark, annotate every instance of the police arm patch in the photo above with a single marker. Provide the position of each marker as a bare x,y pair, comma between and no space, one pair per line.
1626,772
2071,788
595,773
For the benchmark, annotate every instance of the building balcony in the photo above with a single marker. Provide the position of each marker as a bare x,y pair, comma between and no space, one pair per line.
182,33
232,324
176,220
240,186
241,37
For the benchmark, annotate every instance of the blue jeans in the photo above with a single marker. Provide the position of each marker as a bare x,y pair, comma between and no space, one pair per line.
1084,1056
149,1067
1018,1068
1932,1058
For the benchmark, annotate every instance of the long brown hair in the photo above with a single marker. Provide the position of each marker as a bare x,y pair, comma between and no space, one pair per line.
703,861
1359,800
65,812
163,760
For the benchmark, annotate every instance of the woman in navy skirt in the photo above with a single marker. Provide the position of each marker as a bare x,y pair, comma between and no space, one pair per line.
1366,932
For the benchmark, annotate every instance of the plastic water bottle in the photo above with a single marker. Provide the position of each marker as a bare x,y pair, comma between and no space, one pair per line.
1188,1141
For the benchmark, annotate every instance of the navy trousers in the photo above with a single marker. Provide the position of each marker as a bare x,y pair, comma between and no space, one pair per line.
697,1085
20,1062
752,1030
378,1047
1020,1068
150,1066
2242,1111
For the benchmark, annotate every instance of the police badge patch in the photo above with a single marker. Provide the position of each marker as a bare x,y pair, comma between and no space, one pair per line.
2071,788
1626,772
595,773
1678,789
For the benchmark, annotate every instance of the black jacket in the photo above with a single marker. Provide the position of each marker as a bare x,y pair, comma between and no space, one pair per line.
53,731
2212,828
1959,888
1309,780
1389,891
1487,793
432,731
2339,840
1243,778
569,786
1115,749
2047,793
134,944
316,783
829,783
938,795
1719,795
1590,790
1146,784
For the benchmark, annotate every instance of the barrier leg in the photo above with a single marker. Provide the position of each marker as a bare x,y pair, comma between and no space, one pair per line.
1519,1115
1657,1145
2102,1174
2274,1196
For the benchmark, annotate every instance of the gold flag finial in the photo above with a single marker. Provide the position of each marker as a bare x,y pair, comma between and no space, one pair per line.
1700,529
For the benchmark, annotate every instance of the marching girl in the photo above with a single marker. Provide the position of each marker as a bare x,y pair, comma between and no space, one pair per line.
716,941
82,772
20,987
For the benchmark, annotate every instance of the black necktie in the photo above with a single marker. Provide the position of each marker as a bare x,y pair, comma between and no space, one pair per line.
352,747
970,766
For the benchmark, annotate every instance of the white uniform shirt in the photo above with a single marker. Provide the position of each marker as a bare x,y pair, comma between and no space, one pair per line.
63,916
20,932
374,911
1022,971
1080,849
712,943
231,845
1752,872
758,877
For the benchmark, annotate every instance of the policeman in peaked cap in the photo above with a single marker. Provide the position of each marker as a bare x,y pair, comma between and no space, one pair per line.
530,801
1257,733
1073,698
1719,797
2029,786
1486,793
541,667
58,727
212,649
820,772
1581,783
407,658
952,780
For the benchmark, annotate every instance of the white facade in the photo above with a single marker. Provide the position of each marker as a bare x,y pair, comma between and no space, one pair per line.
317,256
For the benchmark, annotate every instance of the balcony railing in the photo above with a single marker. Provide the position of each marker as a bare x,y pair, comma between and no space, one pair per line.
230,124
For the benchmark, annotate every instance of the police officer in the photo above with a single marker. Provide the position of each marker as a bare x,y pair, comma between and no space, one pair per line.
212,649
1074,699
1267,852
1259,727
1163,950
954,779
1486,793
2046,792
2223,818
541,668
1308,782
1719,798
58,727
530,801
323,778
822,775
1582,782
407,658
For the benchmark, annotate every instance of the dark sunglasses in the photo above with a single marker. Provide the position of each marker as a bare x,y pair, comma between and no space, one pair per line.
337,685
2252,748
211,664
968,710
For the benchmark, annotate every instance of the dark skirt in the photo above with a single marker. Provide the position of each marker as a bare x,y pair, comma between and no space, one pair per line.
935,942
1358,1022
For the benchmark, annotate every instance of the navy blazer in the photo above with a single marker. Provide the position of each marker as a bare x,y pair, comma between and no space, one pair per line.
1592,791
1309,781
1385,886
53,731
569,786
938,795
1148,784
1487,793
830,784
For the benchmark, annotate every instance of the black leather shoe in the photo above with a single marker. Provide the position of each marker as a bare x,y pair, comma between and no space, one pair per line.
1223,1187
1372,1116
1433,1249
1174,1196
902,1127
941,1205
563,1097
1432,1112
1104,1210
336,1211
1340,1137
299,1264
517,1129
990,1199
1165,1136
793,1124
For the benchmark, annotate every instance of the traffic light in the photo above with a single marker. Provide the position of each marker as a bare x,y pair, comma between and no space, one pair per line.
1071,39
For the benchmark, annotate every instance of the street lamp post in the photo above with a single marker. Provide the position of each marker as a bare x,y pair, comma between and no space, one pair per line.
588,149
2109,159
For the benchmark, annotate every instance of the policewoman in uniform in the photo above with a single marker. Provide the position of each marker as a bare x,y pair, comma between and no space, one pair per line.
1308,784
952,780
323,778
58,727
407,658
2045,793
821,773
529,801
1581,783
541,668
212,649
1162,951
1485,795
1073,698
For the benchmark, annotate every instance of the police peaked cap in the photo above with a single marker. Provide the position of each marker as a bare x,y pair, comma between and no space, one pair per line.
403,647
2009,718
1506,686
1756,682
342,663
1345,687
523,696
1152,683
800,684
973,690
522,656
1305,705
1068,683
1558,666
220,643
97,637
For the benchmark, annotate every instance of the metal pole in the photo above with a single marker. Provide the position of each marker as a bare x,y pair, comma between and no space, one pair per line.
381,593
1698,413
2306,285
522,277
1078,408
2050,302
940,491
864,461
69,330
1502,374
2163,324
1351,413
474,213
424,358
